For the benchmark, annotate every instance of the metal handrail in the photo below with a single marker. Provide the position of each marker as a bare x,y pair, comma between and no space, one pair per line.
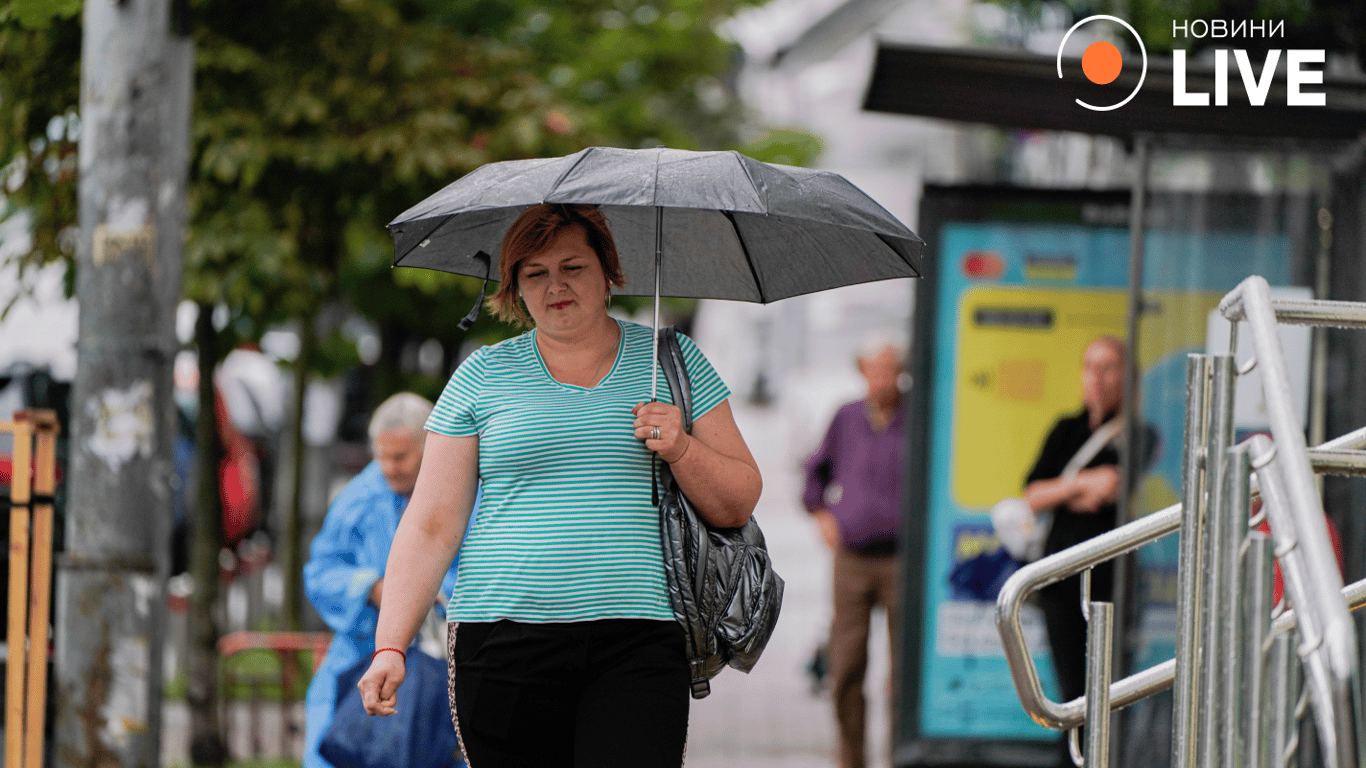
1303,547
1338,462
1054,568
1337,456
1337,314
1353,596
1074,560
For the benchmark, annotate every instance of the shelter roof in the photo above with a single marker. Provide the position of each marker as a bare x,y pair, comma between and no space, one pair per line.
1020,89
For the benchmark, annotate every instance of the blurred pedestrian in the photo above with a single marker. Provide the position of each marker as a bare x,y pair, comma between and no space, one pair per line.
345,574
563,645
1084,503
853,492
255,392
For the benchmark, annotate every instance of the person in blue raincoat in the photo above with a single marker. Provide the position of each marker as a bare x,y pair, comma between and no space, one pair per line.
344,576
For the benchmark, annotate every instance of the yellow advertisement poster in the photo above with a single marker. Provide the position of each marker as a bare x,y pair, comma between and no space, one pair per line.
1018,369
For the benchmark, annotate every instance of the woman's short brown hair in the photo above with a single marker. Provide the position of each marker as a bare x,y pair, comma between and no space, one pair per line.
531,234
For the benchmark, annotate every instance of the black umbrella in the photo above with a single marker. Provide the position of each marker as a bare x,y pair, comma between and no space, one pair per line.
714,225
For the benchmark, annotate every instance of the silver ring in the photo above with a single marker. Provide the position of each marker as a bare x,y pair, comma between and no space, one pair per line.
654,433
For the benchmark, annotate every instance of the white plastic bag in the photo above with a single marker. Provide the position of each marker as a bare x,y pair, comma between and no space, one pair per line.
1021,532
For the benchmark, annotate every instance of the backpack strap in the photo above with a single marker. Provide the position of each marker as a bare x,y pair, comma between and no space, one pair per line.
675,371
676,374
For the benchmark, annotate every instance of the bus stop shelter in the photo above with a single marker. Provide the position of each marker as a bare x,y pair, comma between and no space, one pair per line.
1283,191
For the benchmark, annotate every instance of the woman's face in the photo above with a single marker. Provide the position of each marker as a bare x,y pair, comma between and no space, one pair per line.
1102,376
564,286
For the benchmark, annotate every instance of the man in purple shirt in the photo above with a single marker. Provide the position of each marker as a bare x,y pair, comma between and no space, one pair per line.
853,491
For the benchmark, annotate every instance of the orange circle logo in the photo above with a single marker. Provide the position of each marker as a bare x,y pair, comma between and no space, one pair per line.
1101,63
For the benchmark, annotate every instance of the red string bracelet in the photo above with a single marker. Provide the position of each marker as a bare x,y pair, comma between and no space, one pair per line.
395,650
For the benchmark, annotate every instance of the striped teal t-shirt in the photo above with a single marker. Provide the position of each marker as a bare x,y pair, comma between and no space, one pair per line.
565,529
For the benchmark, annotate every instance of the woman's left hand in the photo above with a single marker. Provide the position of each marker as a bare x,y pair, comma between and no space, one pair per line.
672,442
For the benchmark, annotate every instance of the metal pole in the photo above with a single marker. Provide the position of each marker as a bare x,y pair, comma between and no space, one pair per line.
1099,647
1219,552
1318,394
1131,407
1297,521
1323,622
1232,532
1189,569
1256,604
134,145
654,346
654,343
1281,691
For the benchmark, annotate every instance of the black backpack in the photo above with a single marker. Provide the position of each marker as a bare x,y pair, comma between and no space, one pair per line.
722,586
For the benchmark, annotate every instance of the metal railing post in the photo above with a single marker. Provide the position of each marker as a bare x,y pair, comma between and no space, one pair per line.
1283,690
1099,655
1239,696
1230,531
1219,547
1250,725
1323,629
1190,568
1295,510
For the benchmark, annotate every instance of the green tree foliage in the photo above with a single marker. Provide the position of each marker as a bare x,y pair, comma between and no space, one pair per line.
634,72
316,122
39,95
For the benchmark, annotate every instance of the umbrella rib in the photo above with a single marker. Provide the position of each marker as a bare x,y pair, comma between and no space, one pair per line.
904,258
583,155
423,239
739,159
654,193
749,262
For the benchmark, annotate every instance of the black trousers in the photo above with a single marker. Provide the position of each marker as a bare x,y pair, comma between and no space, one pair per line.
592,694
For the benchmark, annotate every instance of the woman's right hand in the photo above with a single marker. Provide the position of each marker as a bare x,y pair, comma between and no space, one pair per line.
379,686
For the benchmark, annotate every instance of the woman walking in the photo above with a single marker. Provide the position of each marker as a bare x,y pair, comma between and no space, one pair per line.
563,647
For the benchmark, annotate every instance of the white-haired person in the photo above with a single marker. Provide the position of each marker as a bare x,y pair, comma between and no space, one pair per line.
344,576
853,492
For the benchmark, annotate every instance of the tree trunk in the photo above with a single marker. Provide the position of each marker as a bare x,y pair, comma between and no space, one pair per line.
206,738
292,546
111,605
389,367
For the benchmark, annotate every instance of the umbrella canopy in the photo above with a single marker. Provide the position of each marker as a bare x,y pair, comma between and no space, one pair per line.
728,227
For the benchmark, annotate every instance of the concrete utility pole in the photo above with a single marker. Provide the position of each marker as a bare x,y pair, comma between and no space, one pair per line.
136,78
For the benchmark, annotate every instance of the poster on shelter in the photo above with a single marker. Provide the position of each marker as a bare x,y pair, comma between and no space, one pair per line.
1016,304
